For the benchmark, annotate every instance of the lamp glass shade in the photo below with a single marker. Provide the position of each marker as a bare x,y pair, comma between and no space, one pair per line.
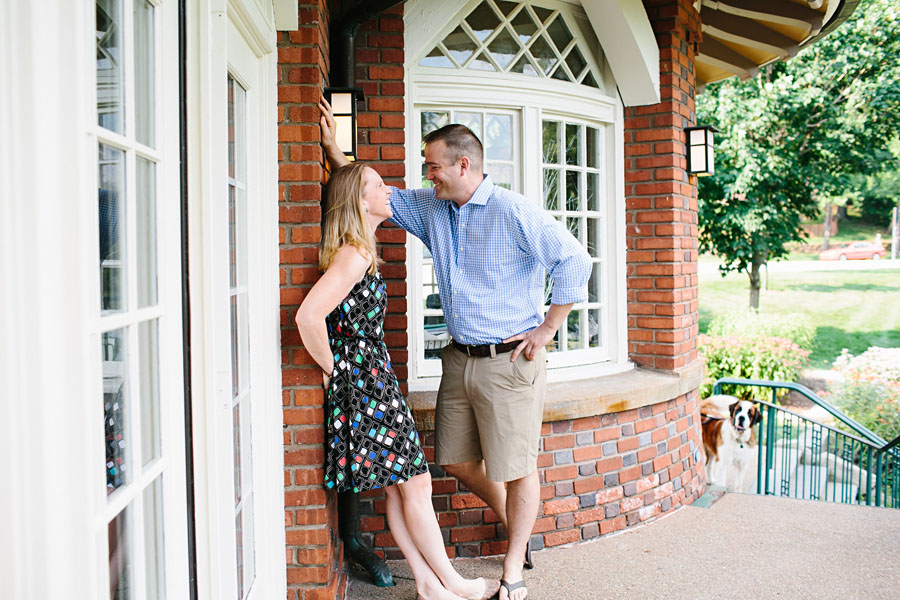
344,133
342,103
697,158
697,137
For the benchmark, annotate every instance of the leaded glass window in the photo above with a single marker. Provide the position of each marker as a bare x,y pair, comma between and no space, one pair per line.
515,37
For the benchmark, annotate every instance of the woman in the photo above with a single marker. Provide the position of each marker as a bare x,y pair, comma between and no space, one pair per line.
371,440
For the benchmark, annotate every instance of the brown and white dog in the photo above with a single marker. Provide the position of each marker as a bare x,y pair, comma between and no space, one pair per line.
729,439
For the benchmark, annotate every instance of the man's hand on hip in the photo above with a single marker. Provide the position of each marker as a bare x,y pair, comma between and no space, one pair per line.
537,338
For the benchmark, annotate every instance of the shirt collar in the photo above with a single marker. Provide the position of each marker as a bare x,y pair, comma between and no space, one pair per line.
483,191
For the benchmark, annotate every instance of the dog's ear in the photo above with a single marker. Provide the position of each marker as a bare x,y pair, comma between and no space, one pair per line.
757,416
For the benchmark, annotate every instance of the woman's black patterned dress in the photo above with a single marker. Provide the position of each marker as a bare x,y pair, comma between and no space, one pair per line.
371,440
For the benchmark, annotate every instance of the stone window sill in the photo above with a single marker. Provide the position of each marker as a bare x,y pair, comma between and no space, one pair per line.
567,400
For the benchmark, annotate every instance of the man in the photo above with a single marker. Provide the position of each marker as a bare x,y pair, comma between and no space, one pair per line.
491,249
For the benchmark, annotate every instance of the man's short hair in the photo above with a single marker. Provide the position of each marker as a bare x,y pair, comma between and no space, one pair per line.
460,141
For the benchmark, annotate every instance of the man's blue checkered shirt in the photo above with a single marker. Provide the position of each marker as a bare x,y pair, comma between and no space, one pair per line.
490,258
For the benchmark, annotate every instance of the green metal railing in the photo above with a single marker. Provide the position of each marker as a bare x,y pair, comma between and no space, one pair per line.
802,458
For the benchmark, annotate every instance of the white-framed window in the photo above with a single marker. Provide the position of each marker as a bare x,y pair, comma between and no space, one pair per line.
530,80
140,536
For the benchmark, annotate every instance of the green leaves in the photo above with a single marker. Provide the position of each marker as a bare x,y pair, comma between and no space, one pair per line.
796,133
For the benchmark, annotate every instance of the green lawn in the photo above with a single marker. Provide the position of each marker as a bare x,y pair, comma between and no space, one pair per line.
849,309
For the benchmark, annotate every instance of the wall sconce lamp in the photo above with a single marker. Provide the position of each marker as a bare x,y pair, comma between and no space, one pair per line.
700,150
344,103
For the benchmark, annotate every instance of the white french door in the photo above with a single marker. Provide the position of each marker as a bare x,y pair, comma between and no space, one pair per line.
234,295
140,529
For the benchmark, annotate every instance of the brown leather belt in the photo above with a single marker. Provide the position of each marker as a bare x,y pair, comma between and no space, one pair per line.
484,350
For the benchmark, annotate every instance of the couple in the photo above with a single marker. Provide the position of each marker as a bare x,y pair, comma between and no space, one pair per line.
491,248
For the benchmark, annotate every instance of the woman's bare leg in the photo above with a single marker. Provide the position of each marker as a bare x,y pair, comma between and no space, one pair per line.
428,585
422,526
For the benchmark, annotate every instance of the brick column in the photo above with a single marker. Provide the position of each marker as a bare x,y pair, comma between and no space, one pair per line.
661,201
314,554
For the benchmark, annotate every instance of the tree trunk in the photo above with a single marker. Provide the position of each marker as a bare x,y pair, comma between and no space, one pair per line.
828,217
758,261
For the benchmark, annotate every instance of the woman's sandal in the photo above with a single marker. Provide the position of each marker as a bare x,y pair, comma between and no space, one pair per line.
528,564
511,587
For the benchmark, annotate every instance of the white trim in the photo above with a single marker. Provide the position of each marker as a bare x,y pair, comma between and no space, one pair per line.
630,46
287,15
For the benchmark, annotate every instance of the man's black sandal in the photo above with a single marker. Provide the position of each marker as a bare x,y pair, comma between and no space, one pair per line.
528,564
511,587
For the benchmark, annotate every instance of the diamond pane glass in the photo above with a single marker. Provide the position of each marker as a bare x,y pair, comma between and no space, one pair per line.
112,228
436,58
573,191
146,232
560,73
559,33
460,45
593,191
551,189
498,137
116,413
154,544
432,120
572,144
542,13
595,329
543,54
148,349
504,48
524,26
481,63
121,556
110,76
483,21
506,7
470,120
592,147
575,61
524,66
144,75
589,80
574,339
550,137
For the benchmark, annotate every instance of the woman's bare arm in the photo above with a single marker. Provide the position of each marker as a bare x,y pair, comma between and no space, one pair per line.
348,268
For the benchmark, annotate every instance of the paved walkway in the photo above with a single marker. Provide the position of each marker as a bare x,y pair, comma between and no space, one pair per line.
743,546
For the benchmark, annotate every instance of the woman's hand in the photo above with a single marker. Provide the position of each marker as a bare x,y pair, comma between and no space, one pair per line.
326,379
329,134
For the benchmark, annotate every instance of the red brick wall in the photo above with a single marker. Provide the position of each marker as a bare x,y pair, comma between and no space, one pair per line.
314,552
661,201
598,475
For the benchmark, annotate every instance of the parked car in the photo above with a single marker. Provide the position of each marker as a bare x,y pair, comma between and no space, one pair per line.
856,250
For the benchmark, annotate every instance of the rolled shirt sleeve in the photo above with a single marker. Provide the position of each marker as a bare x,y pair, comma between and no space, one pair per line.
567,262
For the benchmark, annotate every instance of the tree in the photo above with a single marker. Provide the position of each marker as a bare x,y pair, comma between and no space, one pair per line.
794,135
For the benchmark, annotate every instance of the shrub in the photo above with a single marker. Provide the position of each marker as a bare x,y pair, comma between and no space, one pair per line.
870,392
773,358
749,323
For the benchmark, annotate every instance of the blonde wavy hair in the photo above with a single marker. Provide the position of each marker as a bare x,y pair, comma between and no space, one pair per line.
345,220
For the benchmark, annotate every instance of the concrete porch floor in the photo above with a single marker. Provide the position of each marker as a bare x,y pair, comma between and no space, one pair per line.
742,546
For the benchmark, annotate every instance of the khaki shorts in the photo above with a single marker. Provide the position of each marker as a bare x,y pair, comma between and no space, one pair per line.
490,409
